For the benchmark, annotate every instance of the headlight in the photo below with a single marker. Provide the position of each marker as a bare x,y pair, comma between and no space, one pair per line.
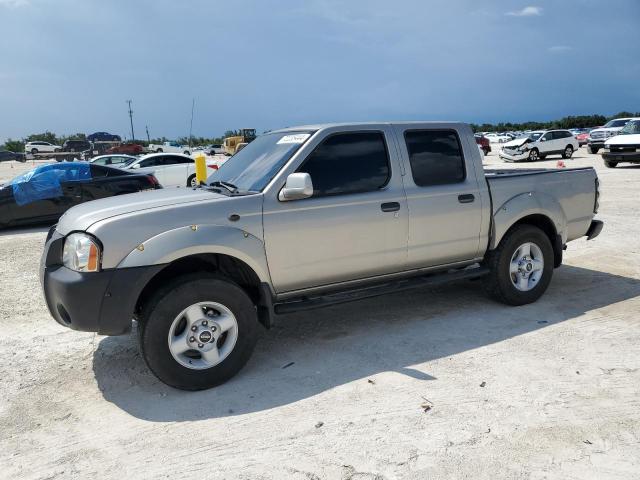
81,253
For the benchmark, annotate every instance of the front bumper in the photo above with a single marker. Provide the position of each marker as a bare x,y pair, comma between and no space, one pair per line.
596,143
621,156
102,302
513,157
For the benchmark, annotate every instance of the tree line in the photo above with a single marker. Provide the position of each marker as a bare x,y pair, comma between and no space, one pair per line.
577,121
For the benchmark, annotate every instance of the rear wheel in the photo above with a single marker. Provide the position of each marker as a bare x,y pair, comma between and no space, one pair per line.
534,155
198,331
192,181
521,267
593,150
611,164
568,151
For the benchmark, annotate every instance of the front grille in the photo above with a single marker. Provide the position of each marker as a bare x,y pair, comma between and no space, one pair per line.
597,134
623,148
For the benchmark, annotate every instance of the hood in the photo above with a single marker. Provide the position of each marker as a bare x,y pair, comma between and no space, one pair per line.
632,139
518,142
607,130
81,217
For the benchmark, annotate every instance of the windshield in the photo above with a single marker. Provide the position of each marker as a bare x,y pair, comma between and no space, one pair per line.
631,128
128,161
253,167
532,135
615,123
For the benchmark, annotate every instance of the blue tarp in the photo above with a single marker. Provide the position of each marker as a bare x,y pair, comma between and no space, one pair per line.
44,181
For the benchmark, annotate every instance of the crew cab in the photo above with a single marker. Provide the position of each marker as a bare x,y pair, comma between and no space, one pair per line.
169,147
624,147
538,145
302,218
599,135
171,170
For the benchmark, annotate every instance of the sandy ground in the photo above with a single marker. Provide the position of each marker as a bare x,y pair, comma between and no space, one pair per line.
434,384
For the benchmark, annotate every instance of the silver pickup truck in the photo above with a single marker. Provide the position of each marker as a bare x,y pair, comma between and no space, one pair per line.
302,218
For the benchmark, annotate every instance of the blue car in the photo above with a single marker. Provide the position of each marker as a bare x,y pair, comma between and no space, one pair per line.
103,137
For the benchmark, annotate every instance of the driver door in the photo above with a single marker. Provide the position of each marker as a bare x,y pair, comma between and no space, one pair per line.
355,224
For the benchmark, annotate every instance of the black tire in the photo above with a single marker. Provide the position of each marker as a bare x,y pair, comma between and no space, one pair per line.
167,303
190,180
542,157
499,284
568,152
34,151
534,155
159,150
610,164
593,150
186,152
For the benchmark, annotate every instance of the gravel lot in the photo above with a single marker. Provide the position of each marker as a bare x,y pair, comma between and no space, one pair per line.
439,383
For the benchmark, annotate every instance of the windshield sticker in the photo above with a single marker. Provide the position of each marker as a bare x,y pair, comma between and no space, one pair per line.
298,138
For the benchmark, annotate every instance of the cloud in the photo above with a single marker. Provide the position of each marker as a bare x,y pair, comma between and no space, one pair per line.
14,3
530,11
560,49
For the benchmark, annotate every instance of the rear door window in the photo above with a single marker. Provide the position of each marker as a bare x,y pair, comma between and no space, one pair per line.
344,163
435,157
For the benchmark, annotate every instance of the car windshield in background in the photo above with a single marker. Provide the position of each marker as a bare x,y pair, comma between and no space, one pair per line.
128,162
615,123
253,167
631,128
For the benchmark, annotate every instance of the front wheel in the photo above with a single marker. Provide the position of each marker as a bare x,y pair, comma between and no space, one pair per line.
198,332
521,267
610,164
534,155
34,151
186,152
593,150
192,181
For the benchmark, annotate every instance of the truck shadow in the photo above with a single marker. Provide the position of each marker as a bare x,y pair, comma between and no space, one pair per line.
311,352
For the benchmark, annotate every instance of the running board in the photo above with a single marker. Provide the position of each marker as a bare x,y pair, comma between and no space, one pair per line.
317,301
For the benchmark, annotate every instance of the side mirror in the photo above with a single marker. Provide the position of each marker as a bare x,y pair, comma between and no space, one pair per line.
298,186
543,139
137,165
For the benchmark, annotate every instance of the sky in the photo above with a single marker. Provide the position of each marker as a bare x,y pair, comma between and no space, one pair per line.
70,65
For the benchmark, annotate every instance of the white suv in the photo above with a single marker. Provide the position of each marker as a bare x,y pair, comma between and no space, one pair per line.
41,147
537,145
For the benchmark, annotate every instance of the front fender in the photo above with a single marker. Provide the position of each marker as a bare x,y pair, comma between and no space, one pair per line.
192,240
523,205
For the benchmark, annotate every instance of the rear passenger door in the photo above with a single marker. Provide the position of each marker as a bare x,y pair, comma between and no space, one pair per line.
443,196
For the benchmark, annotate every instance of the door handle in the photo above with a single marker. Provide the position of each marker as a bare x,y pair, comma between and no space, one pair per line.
390,207
466,198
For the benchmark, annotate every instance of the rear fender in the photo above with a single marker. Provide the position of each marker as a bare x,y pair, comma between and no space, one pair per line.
190,240
523,205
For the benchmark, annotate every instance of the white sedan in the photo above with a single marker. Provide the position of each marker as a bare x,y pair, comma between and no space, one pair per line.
498,137
171,169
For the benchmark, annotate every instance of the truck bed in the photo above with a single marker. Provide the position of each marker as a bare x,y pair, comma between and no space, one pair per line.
573,189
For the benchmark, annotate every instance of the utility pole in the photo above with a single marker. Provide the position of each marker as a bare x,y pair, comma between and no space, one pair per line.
146,127
193,104
133,137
